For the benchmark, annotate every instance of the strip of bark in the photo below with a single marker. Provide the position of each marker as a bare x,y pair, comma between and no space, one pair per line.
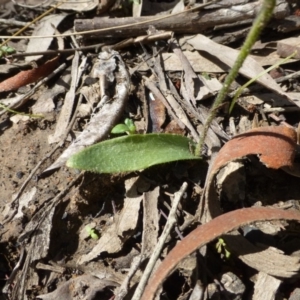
207,233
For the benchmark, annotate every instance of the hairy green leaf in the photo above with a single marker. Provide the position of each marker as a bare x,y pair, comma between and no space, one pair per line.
132,153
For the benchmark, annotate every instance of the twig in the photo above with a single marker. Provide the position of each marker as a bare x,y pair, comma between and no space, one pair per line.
54,52
13,22
123,289
169,225
257,27
176,227
104,46
288,77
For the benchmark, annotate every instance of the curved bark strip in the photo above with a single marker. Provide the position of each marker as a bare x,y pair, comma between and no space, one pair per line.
207,233
274,145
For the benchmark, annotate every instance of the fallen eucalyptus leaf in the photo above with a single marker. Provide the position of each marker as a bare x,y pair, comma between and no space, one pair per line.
131,153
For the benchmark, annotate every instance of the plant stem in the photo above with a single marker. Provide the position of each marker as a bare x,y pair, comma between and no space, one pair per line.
257,27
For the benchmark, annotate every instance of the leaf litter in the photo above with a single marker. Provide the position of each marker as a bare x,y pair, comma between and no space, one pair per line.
249,173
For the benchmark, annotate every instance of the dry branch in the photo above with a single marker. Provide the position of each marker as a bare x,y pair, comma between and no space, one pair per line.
190,22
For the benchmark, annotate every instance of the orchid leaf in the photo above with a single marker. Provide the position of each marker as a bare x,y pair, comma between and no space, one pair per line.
132,153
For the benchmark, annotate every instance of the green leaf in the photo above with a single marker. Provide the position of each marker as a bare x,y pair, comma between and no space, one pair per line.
130,125
8,50
132,153
120,128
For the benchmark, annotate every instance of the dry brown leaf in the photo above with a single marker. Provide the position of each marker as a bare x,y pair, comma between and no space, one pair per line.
46,26
69,101
157,112
28,76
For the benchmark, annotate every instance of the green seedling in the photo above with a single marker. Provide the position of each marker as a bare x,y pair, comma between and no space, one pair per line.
92,232
206,76
221,248
128,127
5,50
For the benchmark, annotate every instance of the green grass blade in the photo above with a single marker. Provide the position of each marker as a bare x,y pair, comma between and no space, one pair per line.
132,153
240,90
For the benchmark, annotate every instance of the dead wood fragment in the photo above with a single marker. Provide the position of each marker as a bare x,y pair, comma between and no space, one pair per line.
233,284
190,22
68,106
141,39
171,63
57,269
267,260
166,96
150,222
289,24
265,287
190,78
288,46
122,291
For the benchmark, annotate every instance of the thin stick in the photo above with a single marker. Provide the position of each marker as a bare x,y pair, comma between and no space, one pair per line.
169,225
54,52
123,289
257,27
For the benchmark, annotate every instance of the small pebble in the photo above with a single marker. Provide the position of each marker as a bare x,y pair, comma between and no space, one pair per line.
19,174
